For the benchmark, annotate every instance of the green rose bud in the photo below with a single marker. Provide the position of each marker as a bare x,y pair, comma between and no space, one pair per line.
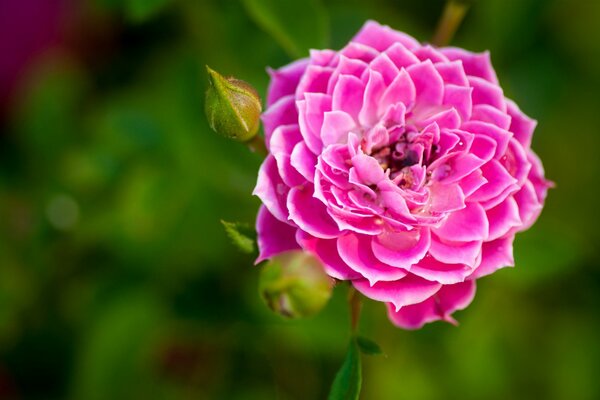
294,284
232,107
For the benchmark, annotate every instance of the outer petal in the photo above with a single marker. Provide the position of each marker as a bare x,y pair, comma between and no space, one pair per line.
274,236
381,37
283,140
495,255
271,189
403,292
450,298
475,64
285,80
521,125
283,112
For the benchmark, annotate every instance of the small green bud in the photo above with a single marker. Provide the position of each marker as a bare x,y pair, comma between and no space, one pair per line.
232,107
294,284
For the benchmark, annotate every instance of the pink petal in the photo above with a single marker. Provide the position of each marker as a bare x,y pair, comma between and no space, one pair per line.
446,119
346,66
433,270
503,218
322,57
314,80
368,169
402,249
495,255
485,92
311,112
359,51
475,64
487,113
304,161
459,97
521,125
470,183
451,252
428,83
465,225
273,236
283,112
383,65
401,90
430,53
271,189
499,182
326,251
348,95
403,292
500,136
452,73
401,56
282,143
445,198
310,214
368,114
355,250
381,37
440,306
336,126
528,204
285,80
483,147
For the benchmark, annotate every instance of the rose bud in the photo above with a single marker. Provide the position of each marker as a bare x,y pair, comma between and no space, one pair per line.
232,107
294,284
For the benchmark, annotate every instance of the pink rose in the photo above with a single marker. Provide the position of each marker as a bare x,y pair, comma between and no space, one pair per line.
402,167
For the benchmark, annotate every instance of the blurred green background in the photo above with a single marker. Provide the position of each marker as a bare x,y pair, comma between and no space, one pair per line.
117,280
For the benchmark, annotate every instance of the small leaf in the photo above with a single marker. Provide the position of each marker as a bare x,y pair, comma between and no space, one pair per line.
285,21
367,346
348,380
243,242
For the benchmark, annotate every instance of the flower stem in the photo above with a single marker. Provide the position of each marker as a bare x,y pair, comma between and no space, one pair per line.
355,305
453,14
257,145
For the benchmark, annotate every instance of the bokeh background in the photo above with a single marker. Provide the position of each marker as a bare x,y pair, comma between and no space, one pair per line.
117,280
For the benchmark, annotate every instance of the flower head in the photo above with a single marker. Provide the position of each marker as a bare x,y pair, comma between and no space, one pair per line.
402,167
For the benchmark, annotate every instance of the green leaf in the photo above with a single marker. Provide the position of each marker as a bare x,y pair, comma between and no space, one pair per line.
348,380
367,346
285,21
243,242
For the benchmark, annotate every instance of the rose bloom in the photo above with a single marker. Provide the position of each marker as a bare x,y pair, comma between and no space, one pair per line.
402,167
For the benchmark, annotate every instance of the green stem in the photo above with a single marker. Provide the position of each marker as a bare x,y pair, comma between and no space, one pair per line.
453,14
257,145
355,305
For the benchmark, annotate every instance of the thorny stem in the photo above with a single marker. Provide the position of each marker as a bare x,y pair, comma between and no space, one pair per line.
453,14
355,305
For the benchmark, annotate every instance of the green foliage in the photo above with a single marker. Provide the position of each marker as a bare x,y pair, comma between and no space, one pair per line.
285,21
241,241
368,346
348,380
